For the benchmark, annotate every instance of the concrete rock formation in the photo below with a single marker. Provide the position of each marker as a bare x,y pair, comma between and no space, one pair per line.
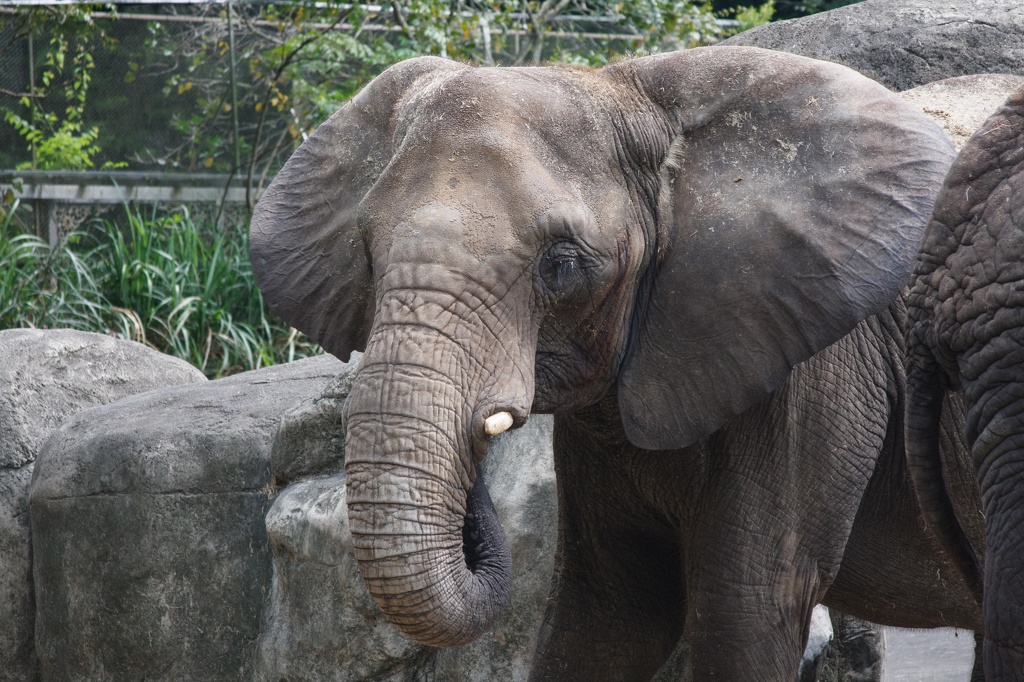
961,104
150,553
46,376
905,44
167,548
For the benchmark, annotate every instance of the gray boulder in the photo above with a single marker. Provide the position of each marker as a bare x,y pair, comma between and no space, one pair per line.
320,623
855,652
47,376
905,44
151,557
960,105
196,533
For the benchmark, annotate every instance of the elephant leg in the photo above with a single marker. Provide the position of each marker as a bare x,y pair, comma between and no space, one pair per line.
743,623
761,545
615,607
999,476
978,669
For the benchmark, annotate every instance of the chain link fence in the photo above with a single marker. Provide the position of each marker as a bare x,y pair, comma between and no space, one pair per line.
233,88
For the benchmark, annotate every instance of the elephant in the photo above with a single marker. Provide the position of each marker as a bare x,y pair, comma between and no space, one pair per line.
965,335
693,261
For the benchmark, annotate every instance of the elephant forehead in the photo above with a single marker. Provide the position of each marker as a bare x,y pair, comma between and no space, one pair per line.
433,228
554,104
484,156
487,197
442,249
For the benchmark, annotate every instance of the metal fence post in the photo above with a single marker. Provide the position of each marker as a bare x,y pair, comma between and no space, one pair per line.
234,89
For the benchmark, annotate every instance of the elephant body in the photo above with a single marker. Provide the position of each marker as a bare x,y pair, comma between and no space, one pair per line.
729,543
646,251
966,334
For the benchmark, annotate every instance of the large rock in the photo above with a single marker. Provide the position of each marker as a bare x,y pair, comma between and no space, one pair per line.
321,624
157,558
855,652
905,44
151,557
960,105
47,376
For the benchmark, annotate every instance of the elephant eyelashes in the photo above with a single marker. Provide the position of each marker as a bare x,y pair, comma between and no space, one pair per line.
560,269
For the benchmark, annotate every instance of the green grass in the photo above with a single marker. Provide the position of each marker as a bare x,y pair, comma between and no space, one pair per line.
156,278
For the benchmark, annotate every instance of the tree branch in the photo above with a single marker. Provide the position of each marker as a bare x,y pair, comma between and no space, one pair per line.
267,96
396,10
12,93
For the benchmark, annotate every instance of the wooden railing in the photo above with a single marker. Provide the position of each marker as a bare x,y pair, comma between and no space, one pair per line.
44,190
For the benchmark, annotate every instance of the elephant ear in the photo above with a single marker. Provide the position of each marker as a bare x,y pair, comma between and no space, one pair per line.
792,201
308,256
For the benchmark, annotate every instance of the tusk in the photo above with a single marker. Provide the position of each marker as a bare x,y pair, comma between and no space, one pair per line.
499,422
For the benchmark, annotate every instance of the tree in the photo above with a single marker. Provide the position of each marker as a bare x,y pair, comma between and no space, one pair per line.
50,115
233,88
296,63
787,9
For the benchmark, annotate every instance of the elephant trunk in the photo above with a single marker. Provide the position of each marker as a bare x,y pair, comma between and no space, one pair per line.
426,535
925,394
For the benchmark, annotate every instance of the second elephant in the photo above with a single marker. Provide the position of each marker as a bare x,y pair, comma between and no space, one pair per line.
968,333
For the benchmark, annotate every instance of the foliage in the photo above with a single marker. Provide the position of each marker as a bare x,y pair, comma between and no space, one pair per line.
157,279
787,9
815,6
665,25
296,63
66,147
43,287
9,202
60,140
749,17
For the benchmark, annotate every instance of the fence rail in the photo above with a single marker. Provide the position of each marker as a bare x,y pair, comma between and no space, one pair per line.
45,190
117,187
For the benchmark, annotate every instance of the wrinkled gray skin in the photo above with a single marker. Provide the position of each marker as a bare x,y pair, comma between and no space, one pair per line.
967,333
646,251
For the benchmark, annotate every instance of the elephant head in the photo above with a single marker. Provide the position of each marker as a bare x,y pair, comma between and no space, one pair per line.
966,334
678,230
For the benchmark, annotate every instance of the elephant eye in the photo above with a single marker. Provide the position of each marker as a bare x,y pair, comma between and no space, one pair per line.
560,268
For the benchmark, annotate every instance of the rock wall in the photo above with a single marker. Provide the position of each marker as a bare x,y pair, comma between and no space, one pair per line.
200,532
45,378
151,557
908,43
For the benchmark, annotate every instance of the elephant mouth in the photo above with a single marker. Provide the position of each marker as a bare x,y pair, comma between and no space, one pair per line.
491,422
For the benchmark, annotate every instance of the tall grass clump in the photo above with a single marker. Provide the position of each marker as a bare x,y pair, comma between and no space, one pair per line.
156,278
190,292
44,287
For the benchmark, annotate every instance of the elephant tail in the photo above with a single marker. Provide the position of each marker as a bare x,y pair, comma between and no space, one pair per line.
926,390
